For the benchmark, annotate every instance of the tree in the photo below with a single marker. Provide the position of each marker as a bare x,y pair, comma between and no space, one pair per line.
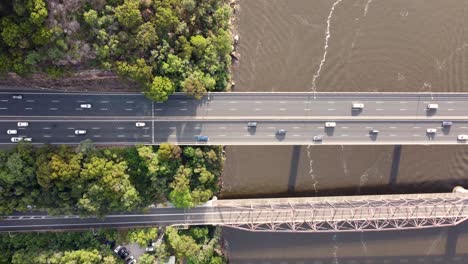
38,11
81,256
180,196
160,89
183,245
142,235
195,85
146,36
147,259
128,14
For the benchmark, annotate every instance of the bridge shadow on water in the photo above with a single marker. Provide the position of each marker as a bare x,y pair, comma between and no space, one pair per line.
392,181
296,151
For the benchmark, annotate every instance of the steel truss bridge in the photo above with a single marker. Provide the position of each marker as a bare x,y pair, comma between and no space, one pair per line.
316,214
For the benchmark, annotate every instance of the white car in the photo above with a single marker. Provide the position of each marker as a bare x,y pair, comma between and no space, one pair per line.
17,96
432,106
462,137
140,124
317,138
357,106
80,132
12,132
431,130
27,139
330,124
23,124
87,106
373,131
18,139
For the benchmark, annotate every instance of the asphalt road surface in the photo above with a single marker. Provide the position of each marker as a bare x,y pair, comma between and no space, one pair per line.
401,118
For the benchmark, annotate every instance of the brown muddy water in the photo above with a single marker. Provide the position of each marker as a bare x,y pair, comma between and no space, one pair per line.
349,45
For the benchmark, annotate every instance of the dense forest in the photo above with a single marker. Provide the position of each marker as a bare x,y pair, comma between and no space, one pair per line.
87,180
164,45
197,245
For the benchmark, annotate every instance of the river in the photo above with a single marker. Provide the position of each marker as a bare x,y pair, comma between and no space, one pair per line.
349,45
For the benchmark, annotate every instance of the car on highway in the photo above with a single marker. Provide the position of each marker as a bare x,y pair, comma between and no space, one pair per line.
23,124
447,123
330,124
18,139
431,130
80,132
357,106
280,132
140,124
17,96
12,132
317,138
432,106
373,131
87,106
462,137
252,124
201,138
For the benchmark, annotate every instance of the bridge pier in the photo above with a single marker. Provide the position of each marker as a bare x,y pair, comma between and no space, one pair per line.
459,189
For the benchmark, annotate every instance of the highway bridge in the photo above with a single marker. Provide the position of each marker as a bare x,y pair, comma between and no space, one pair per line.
400,118
314,214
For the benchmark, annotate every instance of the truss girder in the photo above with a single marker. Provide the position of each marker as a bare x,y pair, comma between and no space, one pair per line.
342,214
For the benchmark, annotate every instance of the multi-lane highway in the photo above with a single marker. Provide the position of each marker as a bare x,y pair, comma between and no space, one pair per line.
400,118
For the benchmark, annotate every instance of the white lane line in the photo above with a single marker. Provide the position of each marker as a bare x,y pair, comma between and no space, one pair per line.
393,135
121,136
97,136
296,135
450,109
145,128
128,109
331,102
197,128
46,128
4,100
81,101
182,102
71,136
3,108
296,127
120,128
104,102
53,108
55,101
258,102
183,109
403,102
103,109
282,109
393,127
306,109
379,102
271,127
222,127
321,127
232,109
449,102
30,101
247,135
271,135
70,128
209,109
232,102
172,127
416,127
344,135
95,128
463,127
368,127
379,109
282,102
345,127
29,108
416,135
221,135
146,135
158,109
46,136
402,109
78,109
129,102
331,109
258,109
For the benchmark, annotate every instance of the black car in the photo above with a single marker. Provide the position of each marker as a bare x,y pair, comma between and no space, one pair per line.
122,252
